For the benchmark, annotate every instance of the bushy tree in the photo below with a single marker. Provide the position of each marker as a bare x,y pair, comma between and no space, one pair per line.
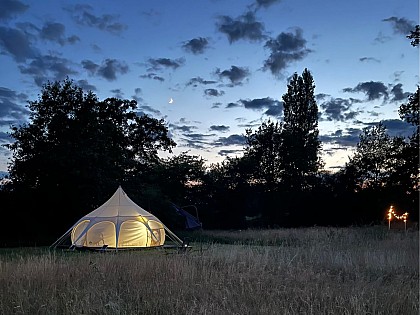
75,149
372,163
264,155
408,168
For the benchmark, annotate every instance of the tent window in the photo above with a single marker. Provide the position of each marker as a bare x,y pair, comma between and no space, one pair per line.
132,234
100,234
77,231
158,231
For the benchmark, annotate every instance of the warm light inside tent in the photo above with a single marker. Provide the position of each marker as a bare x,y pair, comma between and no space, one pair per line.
132,233
118,223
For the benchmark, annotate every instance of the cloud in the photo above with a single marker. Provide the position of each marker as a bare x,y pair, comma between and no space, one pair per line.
397,127
285,48
137,95
274,111
338,109
148,109
11,110
229,152
159,63
348,138
272,106
381,38
234,74
108,70
47,67
90,66
373,90
232,105
105,22
266,3
244,27
231,140
369,59
400,25
196,45
197,140
11,8
118,93
55,32
213,92
182,127
16,43
84,84
198,80
399,94
220,128
4,138
152,76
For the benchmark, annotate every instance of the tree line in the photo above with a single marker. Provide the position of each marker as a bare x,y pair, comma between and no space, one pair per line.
75,150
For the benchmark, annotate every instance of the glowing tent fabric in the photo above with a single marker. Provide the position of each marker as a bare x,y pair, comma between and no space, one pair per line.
119,223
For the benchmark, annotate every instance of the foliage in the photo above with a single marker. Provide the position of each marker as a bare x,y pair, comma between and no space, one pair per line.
371,163
408,169
263,151
415,36
76,149
300,144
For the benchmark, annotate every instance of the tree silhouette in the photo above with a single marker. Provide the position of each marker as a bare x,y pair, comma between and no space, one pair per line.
76,149
264,155
300,144
372,164
415,36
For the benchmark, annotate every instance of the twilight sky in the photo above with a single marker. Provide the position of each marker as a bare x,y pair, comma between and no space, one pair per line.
225,64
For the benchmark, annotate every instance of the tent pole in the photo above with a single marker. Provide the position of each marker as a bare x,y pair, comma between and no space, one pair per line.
57,242
175,238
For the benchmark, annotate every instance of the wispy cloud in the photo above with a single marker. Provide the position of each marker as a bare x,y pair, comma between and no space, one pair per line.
220,128
11,8
55,32
373,90
213,92
16,43
244,27
198,80
162,63
339,109
285,49
107,70
48,67
272,106
82,15
11,109
235,74
400,25
196,46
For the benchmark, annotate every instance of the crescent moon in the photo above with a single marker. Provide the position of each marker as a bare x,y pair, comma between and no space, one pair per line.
171,101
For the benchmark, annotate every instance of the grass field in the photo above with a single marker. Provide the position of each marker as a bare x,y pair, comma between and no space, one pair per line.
285,271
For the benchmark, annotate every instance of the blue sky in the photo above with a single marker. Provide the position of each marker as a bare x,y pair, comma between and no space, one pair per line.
225,64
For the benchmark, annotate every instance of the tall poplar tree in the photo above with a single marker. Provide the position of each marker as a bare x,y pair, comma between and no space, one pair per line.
300,144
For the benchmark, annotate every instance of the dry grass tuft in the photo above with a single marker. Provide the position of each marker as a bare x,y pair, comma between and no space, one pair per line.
284,271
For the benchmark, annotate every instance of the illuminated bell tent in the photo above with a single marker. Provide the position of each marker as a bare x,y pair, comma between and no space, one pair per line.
118,224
